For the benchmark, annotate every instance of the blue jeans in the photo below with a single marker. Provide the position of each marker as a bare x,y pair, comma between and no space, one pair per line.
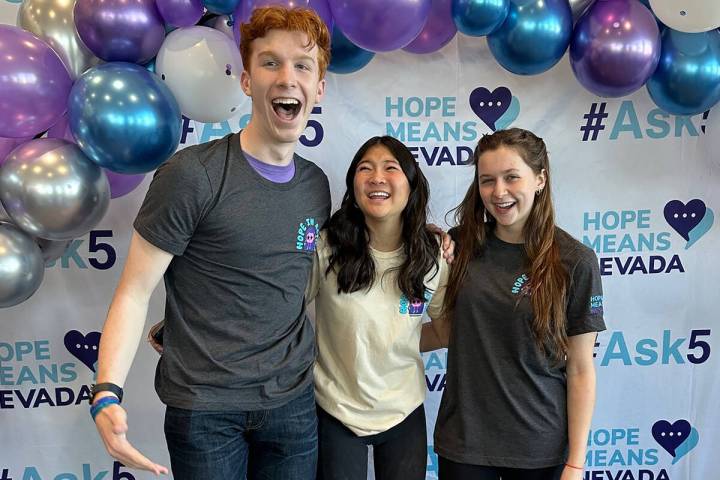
279,443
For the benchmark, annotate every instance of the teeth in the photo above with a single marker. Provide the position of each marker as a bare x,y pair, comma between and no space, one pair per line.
286,101
504,205
379,195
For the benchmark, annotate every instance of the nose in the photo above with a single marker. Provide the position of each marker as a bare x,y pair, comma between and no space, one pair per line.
377,178
287,75
499,189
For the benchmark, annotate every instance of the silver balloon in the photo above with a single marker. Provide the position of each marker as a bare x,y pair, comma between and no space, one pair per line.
52,190
21,266
578,7
52,21
52,249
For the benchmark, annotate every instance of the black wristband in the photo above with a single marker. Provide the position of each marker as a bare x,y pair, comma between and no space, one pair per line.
106,387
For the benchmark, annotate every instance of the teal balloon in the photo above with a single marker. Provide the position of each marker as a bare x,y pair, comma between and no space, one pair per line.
221,7
345,56
479,17
687,79
124,118
533,37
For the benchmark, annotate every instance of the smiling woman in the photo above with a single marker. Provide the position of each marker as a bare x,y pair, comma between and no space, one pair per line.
376,271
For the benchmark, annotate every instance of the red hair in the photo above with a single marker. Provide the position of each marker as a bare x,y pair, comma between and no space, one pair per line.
301,20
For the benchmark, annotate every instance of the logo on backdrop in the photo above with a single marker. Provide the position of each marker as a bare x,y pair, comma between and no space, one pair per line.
33,375
626,124
691,220
677,439
642,242
631,453
86,472
670,348
497,109
437,134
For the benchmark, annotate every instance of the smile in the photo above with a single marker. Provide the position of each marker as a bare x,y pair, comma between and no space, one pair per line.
379,194
286,108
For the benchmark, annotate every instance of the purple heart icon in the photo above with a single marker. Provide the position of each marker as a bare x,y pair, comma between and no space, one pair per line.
490,106
83,347
683,218
670,436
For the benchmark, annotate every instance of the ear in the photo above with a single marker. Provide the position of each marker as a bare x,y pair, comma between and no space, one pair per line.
320,91
245,83
541,179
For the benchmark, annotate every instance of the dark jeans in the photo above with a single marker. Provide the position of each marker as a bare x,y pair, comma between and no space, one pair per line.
399,453
449,470
280,443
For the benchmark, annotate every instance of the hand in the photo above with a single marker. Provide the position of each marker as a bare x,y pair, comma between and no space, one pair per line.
570,473
448,244
154,339
111,423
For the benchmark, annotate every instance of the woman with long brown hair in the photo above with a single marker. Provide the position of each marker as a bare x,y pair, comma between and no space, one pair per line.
525,303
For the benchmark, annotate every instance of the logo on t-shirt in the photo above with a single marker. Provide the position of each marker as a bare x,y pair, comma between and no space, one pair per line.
415,306
521,286
307,235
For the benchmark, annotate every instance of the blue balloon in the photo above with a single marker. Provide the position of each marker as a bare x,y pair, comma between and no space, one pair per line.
479,17
221,7
345,56
687,79
124,118
533,37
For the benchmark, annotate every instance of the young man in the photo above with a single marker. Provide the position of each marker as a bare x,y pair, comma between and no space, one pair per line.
230,227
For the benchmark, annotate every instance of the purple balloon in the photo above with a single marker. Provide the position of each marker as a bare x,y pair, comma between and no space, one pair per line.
181,13
7,145
321,7
439,29
379,25
120,30
61,130
615,47
121,184
34,84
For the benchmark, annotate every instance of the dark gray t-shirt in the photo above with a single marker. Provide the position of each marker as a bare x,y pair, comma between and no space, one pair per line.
504,403
237,335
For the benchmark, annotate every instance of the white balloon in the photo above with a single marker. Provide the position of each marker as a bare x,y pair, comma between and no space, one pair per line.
692,16
202,68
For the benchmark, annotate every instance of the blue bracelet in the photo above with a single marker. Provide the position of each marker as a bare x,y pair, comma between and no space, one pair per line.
102,403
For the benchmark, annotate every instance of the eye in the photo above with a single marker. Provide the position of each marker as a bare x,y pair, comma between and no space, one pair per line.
361,168
302,66
512,177
269,63
486,181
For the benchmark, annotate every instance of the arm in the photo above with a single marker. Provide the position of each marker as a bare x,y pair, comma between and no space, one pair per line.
435,334
121,335
580,399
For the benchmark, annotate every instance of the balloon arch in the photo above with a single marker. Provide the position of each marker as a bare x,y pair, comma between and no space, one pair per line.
77,76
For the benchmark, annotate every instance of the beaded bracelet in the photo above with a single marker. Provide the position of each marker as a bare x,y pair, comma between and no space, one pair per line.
103,403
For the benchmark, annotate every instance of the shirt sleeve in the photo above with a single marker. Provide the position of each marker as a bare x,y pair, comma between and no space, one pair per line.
585,296
179,196
313,285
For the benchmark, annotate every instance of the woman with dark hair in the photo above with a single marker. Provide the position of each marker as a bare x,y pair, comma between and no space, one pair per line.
377,270
525,303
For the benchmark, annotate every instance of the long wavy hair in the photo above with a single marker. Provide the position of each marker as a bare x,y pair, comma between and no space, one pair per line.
548,277
348,235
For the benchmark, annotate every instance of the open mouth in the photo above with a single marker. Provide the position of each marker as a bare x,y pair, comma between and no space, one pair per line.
286,108
378,195
505,206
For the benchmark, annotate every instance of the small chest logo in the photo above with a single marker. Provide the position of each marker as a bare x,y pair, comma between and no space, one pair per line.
307,235
522,286
415,306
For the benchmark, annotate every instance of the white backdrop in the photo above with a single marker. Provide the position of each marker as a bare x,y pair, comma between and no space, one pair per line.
614,189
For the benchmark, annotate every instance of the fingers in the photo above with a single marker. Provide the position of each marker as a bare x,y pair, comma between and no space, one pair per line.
112,425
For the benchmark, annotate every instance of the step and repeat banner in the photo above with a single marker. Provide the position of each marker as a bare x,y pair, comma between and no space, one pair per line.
636,184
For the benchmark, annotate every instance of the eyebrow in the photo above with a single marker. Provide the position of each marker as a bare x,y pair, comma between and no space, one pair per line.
509,170
271,53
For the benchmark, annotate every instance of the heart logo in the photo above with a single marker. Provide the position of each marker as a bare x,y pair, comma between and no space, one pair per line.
683,218
671,436
83,347
490,106
691,220
678,439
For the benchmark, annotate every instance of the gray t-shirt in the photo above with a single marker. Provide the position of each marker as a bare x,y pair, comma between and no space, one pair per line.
504,403
237,336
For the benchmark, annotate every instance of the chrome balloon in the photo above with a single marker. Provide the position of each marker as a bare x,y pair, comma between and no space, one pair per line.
578,7
52,21
52,190
52,249
21,266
